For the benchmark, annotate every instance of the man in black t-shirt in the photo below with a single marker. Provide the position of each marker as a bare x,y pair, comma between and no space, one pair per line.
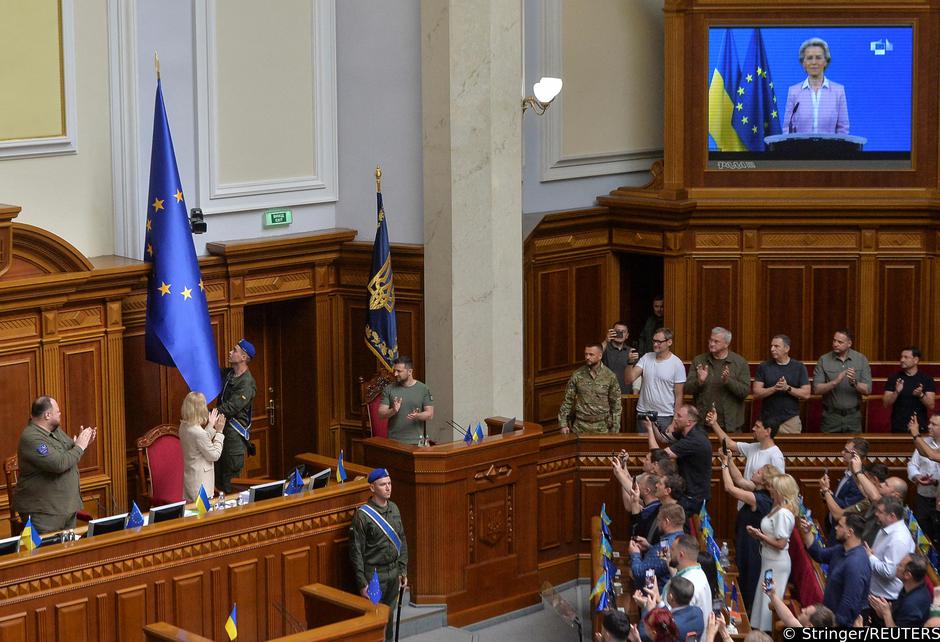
909,392
781,382
693,454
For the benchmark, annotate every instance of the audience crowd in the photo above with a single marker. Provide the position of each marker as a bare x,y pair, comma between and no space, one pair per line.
867,562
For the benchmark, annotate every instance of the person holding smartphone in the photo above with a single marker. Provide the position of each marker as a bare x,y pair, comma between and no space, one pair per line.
618,354
774,537
924,473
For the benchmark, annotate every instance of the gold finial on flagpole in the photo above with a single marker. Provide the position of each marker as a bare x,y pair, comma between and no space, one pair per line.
156,64
378,178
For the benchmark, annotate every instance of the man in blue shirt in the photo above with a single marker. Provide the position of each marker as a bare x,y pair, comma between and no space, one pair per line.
913,604
688,617
652,555
847,491
849,569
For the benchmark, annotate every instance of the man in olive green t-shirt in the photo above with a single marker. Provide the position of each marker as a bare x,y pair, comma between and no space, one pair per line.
407,404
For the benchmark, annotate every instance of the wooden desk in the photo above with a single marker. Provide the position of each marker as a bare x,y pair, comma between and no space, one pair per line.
332,616
470,519
185,572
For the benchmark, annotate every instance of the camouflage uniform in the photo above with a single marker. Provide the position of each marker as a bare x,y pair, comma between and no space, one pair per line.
370,549
48,490
595,399
235,403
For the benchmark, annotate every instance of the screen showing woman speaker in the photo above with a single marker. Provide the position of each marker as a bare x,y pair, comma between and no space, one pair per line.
799,97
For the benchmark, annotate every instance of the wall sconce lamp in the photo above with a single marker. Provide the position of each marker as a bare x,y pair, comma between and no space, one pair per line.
545,90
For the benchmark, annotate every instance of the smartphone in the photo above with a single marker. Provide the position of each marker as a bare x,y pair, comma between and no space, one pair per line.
650,578
618,334
724,445
769,579
718,606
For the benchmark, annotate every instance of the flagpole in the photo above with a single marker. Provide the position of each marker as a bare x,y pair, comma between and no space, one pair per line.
156,64
378,179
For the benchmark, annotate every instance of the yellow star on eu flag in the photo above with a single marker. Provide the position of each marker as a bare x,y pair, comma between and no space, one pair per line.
739,106
773,114
157,205
744,120
149,225
201,286
749,78
149,249
179,195
187,293
164,289
740,91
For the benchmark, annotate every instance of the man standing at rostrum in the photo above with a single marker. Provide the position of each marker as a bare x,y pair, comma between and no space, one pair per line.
377,544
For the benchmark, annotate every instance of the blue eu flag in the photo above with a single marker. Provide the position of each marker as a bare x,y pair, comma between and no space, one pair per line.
136,518
178,332
756,113
374,591
381,328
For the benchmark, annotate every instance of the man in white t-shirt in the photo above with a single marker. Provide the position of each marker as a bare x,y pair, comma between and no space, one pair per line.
663,379
760,452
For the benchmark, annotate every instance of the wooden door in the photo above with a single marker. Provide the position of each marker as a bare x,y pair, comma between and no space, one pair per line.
284,369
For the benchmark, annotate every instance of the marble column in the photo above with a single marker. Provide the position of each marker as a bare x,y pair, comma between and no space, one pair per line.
471,65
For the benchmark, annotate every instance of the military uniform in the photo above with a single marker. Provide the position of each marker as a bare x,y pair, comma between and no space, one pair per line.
370,548
595,400
238,392
48,487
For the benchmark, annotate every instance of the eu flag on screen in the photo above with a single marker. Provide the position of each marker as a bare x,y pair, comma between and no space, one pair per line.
756,113
178,333
374,591
722,95
136,518
381,327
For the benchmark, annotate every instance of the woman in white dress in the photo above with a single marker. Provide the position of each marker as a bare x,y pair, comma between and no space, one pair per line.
201,439
774,537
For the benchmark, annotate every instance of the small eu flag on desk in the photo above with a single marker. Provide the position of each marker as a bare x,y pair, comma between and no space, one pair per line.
136,518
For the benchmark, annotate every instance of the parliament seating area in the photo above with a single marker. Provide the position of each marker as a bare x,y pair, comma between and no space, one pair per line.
876,418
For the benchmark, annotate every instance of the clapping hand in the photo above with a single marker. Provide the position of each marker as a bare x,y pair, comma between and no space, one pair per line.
918,391
781,384
879,605
396,404
824,482
899,385
725,374
913,426
711,417
702,371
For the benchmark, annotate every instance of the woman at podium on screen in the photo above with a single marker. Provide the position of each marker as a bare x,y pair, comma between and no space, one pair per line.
817,105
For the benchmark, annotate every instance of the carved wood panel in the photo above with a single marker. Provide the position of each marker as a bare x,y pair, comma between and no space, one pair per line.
716,298
19,380
552,314
833,303
81,399
73,622
246,591
900,285
131,611
188,593
784,307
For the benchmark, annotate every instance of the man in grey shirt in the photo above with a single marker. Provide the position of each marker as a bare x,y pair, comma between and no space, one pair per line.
407,404
842,377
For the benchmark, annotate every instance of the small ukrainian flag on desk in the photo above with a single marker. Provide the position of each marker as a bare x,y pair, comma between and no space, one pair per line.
231,626
202,501
30,539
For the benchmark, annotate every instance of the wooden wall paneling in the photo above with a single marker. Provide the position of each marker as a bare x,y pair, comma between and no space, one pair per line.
73,620
593,281
132,610
833,303
114,400
678,308
19,379
783,307
553,339
246,591
899,308
190,604
717,299
81,400
13,628
261,328
295,572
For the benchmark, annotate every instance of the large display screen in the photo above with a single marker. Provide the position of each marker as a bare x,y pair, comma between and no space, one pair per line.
799,97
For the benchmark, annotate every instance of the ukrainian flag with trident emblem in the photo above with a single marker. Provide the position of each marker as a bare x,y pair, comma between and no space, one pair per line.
381,328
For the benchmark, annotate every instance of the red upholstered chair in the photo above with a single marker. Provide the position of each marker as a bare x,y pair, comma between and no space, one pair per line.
877,417
160,465
370,393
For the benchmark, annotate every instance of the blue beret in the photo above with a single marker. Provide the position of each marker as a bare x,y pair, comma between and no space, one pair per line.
249,349
377,474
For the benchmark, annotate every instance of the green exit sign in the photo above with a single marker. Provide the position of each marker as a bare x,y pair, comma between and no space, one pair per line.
273,218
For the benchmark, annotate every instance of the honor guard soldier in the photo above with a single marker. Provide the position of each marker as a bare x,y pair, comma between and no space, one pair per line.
594,393
377,544
238,392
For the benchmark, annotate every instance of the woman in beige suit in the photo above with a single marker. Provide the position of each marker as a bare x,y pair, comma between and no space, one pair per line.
201,438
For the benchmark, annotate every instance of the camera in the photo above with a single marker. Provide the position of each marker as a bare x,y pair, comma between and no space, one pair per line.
197,221
651,415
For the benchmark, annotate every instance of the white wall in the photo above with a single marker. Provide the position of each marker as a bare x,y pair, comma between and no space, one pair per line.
378,62
70,195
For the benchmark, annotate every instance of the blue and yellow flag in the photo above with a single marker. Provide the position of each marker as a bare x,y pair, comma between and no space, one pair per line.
178,332
202,501
601,587
722,94
29,538
756,113
231,624
468,436
340,468
136,518
381,326
604,516
478,433
603,602
374,590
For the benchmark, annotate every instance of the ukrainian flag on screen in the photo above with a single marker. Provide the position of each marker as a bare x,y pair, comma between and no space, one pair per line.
724,87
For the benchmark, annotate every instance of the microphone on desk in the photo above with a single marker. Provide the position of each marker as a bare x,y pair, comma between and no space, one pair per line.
792,114
458,427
